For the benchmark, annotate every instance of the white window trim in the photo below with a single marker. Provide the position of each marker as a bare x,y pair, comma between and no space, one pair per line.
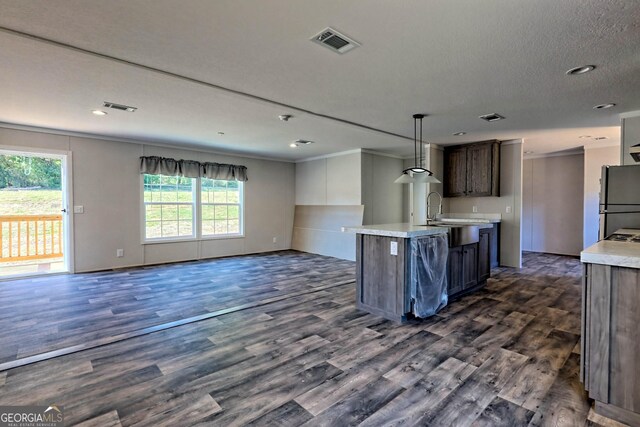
197,235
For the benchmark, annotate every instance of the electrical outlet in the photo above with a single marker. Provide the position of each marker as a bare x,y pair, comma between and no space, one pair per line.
508,209
394,248
78,209
119,253
475,209
275,240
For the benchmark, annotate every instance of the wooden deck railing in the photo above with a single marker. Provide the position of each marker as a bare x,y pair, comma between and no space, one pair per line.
30,237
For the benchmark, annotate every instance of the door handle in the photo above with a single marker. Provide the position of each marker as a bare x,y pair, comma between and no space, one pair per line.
63,210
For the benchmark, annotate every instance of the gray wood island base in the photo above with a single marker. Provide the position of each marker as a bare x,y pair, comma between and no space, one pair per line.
383,267
610,365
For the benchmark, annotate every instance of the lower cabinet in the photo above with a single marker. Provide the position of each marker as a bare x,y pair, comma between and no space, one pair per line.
610,366
469,266
454,268
484,255
382,277
463,269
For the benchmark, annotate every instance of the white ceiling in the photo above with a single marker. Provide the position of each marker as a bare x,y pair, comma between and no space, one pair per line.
454,60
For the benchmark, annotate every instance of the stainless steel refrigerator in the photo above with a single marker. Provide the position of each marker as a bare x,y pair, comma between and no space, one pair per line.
619,198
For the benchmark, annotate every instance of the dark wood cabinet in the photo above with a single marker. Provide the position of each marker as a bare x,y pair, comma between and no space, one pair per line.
469,266
484,254
454,271
494,251
455,175
462,270
382,279
472,170
610,366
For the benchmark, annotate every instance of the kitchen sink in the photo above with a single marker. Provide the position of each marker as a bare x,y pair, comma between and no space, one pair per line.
459,234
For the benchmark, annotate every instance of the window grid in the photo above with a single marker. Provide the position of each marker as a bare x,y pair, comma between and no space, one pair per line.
169,204
170,212
221,207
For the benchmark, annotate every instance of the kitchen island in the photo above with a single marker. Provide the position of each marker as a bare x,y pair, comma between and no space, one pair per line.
610,366
386,265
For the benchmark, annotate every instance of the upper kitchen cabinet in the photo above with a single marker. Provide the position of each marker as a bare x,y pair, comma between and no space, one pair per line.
472,170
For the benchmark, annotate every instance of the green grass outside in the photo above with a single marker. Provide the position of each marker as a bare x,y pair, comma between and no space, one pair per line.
30,202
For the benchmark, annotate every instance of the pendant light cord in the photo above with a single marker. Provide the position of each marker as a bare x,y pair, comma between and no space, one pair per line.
420,141
415,136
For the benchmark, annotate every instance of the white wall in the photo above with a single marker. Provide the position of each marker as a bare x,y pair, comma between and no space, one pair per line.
332,192
328,190
107,183
332,180
630,137
414,197
553,204
510,196
381,197
594,159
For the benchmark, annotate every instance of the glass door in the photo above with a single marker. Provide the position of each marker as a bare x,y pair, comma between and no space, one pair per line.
33,214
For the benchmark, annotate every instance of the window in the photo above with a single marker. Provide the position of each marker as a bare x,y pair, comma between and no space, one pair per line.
169,206
172,205
220,201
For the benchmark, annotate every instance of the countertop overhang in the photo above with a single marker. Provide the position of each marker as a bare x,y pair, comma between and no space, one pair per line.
404,229
619,254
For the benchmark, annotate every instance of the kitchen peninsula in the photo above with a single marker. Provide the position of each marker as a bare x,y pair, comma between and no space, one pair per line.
610,367
453,256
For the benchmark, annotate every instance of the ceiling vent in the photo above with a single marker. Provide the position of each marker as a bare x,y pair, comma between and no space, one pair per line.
120,107
493,117
335,41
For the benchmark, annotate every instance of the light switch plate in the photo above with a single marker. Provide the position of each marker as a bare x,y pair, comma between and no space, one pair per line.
475,209
508,209
394,248
78,209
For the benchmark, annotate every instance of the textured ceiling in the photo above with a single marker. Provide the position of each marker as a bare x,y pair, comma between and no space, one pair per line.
453,60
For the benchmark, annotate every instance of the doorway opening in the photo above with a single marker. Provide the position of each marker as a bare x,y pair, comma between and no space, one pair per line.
34,226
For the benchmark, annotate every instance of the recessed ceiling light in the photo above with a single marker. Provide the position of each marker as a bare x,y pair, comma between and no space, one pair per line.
285,117
459,133
293,145
99,112
603,106
584,136
303,142
220,133
493,117
600,138
580,70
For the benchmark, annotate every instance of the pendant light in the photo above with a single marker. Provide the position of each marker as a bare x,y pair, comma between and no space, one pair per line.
418,172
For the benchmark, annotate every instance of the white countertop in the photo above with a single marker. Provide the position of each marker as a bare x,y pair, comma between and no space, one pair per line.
619,254
475,217
406,230
403,230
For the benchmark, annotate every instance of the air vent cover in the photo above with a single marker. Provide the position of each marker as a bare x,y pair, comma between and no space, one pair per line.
493,117
334,40
119,106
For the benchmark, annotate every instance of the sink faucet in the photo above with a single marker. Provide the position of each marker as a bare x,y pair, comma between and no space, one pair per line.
439,205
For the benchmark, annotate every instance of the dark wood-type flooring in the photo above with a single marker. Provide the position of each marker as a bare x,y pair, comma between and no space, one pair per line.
507,355
43,314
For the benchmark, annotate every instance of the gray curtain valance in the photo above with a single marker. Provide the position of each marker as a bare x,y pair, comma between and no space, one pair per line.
192,169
